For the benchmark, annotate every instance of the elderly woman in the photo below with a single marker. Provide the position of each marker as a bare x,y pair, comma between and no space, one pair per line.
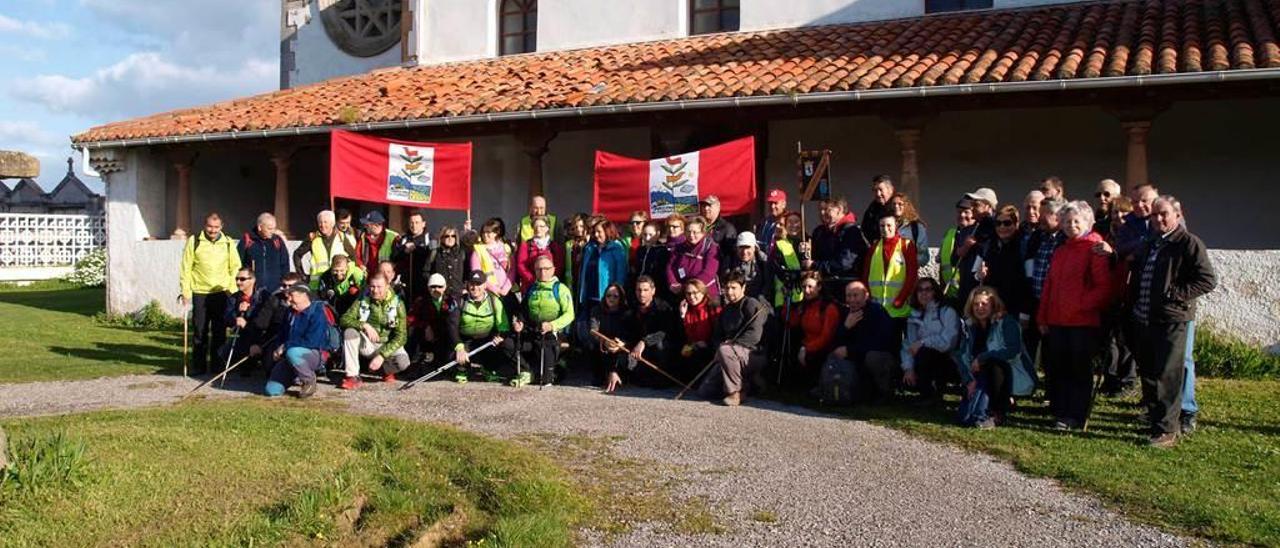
538,245
696,257
911,226
993,365
1076,292
933,329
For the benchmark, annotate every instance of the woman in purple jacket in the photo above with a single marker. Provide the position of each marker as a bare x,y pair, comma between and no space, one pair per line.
696,257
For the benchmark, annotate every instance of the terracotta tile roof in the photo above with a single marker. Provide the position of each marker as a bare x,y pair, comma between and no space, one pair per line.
1071,41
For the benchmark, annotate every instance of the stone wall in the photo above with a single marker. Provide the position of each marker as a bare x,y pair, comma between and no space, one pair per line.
1246,303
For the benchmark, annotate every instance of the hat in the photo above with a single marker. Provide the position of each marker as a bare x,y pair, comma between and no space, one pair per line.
776,195
436,280
985,194
746,239
476,277
710,200
373,218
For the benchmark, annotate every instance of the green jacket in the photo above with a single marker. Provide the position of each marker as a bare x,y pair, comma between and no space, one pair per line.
387,318
545,303
483,318
208,266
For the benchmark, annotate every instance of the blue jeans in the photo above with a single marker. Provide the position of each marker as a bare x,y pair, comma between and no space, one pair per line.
1189,406
299,364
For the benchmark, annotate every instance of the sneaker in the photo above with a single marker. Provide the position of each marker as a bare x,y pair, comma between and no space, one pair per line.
492,376
1062,425
350,383
732,400
460,377
1188,423
1163,441
986,424
307,390
523,379
389,377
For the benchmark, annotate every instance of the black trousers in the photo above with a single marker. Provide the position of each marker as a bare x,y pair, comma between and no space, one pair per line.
1121,368
542,356
1159,349
632,371
997,375
209,327
933,371
1069,354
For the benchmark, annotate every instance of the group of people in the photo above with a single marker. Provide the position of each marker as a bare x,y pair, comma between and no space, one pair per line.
847,312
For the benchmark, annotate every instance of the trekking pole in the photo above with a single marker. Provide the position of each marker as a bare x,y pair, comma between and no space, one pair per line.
542,361
186,323
231,350
519,351
741,330
222,375
444,367
642,360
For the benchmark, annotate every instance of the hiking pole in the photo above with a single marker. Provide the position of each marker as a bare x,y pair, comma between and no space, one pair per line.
741,330
519,351
641,359
222,375
542,361
186,323
231,350
442,368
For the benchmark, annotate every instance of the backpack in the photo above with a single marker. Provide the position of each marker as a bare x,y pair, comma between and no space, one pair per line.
837,381
555,293
333,340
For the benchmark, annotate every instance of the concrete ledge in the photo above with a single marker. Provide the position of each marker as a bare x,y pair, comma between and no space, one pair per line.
33,273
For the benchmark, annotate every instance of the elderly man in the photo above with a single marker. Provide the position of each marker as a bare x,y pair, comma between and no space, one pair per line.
865,338
1107,191
548,307
482,318
376,242
1040,252
340,285
837,246
1167,276
206,276
265,252
322,245
537,208
306,344
740,332
437,320
755,268
1030,220
722,232
881,193
984,203
375,328
767,229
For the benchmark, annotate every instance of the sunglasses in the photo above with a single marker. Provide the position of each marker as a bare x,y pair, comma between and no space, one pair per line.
1103,194
450,236
638,222
243,279
1006,222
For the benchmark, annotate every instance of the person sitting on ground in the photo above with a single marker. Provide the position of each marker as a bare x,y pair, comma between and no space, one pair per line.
340,285
482,318
612,319
376,242
492,256
933,330
837,246
719,230
265,251
375,327
651,259
306,345
991,361
865,338
322,245
537,208
698,315
739,332
911,226
816,318
242,307
548,308
751,263
697,257
654,329
437,320
541,244
449,260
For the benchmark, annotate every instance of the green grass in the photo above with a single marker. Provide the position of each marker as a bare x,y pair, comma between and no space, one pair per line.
1221,483
1220,355
50,333
276,472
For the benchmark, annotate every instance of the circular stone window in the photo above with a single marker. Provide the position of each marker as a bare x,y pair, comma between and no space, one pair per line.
363,28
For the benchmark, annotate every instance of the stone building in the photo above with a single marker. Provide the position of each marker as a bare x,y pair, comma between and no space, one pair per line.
943,95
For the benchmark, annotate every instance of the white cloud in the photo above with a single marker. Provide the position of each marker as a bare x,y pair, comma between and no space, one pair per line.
202,32
21,53
33,29
146,83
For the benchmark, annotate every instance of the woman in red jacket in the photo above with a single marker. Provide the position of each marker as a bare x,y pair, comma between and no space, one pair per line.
816,318
540,244
698,311
1076,293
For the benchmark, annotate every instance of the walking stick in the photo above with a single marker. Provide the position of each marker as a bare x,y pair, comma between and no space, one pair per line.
444,367
741,330
641,359
542,361
231,350
519,351
222,375
186,322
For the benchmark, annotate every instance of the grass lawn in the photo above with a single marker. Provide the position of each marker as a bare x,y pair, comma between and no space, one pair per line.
1221,483
256,472
50,334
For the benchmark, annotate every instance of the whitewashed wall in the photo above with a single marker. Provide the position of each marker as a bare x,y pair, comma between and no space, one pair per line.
316,58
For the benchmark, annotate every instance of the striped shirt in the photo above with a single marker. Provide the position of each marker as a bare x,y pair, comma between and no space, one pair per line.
1142,305
1044,255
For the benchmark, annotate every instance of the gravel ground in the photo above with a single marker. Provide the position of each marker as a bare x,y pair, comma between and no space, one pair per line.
829,481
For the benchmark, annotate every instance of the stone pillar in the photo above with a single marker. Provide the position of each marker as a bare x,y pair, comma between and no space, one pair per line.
395,218
908,139
535,144
1135,163
183,214
280,209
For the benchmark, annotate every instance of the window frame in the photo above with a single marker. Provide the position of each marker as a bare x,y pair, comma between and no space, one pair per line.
528,34
719,10
928,11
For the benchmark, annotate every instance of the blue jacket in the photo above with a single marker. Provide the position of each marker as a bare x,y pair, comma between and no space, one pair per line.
610,265
1004,343
269,258
309,328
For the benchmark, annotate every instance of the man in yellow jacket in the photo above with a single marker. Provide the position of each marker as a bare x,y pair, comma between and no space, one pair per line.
210,263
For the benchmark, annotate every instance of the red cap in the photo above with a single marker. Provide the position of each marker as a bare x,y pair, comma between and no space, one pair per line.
776,195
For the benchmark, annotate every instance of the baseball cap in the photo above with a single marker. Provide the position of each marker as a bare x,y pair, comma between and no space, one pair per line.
476,277
746,239
985,194
710,200
776,195
373,217
436,280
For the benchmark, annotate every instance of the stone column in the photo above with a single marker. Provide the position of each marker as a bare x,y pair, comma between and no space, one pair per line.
280,209
1135,163
395,218
908,139
535,144
183,214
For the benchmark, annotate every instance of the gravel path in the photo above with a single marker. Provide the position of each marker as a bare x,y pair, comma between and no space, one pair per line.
829,481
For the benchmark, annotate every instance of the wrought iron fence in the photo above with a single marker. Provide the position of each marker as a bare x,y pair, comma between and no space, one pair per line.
30,239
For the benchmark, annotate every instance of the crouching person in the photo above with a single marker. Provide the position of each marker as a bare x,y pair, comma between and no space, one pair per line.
549,310
482,318
993,363
739,331
374,327
438,321
656,326
866,337
306,345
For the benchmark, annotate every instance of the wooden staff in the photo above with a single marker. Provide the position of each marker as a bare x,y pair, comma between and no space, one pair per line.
741,330
640,359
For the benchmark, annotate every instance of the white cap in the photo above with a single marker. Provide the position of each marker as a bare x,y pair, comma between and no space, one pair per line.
746,239
436,280
985,194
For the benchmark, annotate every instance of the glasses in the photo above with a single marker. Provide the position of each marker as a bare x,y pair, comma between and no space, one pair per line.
637,221
546,268
1006,222
1103,194
243,279
450,236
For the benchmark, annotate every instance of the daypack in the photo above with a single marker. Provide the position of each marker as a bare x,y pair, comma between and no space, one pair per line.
334,339
555,293
837,382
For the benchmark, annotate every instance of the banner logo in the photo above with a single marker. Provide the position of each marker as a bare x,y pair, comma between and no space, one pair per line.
410,173
673,185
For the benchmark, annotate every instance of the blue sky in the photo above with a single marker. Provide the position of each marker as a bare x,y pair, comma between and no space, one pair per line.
73,64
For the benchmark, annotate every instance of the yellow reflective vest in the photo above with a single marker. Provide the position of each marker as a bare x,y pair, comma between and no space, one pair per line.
321,257
885,282
790,261
948,271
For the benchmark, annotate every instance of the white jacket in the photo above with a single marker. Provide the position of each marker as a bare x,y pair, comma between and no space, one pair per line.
936,327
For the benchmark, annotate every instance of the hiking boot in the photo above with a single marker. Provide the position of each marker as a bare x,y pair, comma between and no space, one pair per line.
389,377
732,400
986,424
460,377
1064,425
523,379
492,376
350,383
307,390
1163,441
1188,423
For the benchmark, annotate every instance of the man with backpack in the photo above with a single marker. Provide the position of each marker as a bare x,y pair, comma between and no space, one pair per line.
309,336
549,311
264,252
340,285
482,318
374,327
206,277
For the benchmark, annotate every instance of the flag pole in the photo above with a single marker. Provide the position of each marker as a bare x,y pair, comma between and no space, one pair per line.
804,225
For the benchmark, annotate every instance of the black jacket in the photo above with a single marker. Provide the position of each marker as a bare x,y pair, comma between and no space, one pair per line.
1007,273
873,333
659,325
839,252
871,220
651,261
449,262
411,265
725,235
268,257
1182,274
742,323
759,275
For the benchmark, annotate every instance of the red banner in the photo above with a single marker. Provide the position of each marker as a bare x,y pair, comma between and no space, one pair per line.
372,169
675,184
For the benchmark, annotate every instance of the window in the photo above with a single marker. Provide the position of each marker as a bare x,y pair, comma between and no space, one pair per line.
942,6
363,28
706,16
518,27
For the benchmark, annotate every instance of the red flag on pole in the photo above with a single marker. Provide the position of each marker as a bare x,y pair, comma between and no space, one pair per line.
664,186
372,169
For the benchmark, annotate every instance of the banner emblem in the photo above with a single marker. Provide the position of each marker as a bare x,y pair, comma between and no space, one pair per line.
673,185
410,173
